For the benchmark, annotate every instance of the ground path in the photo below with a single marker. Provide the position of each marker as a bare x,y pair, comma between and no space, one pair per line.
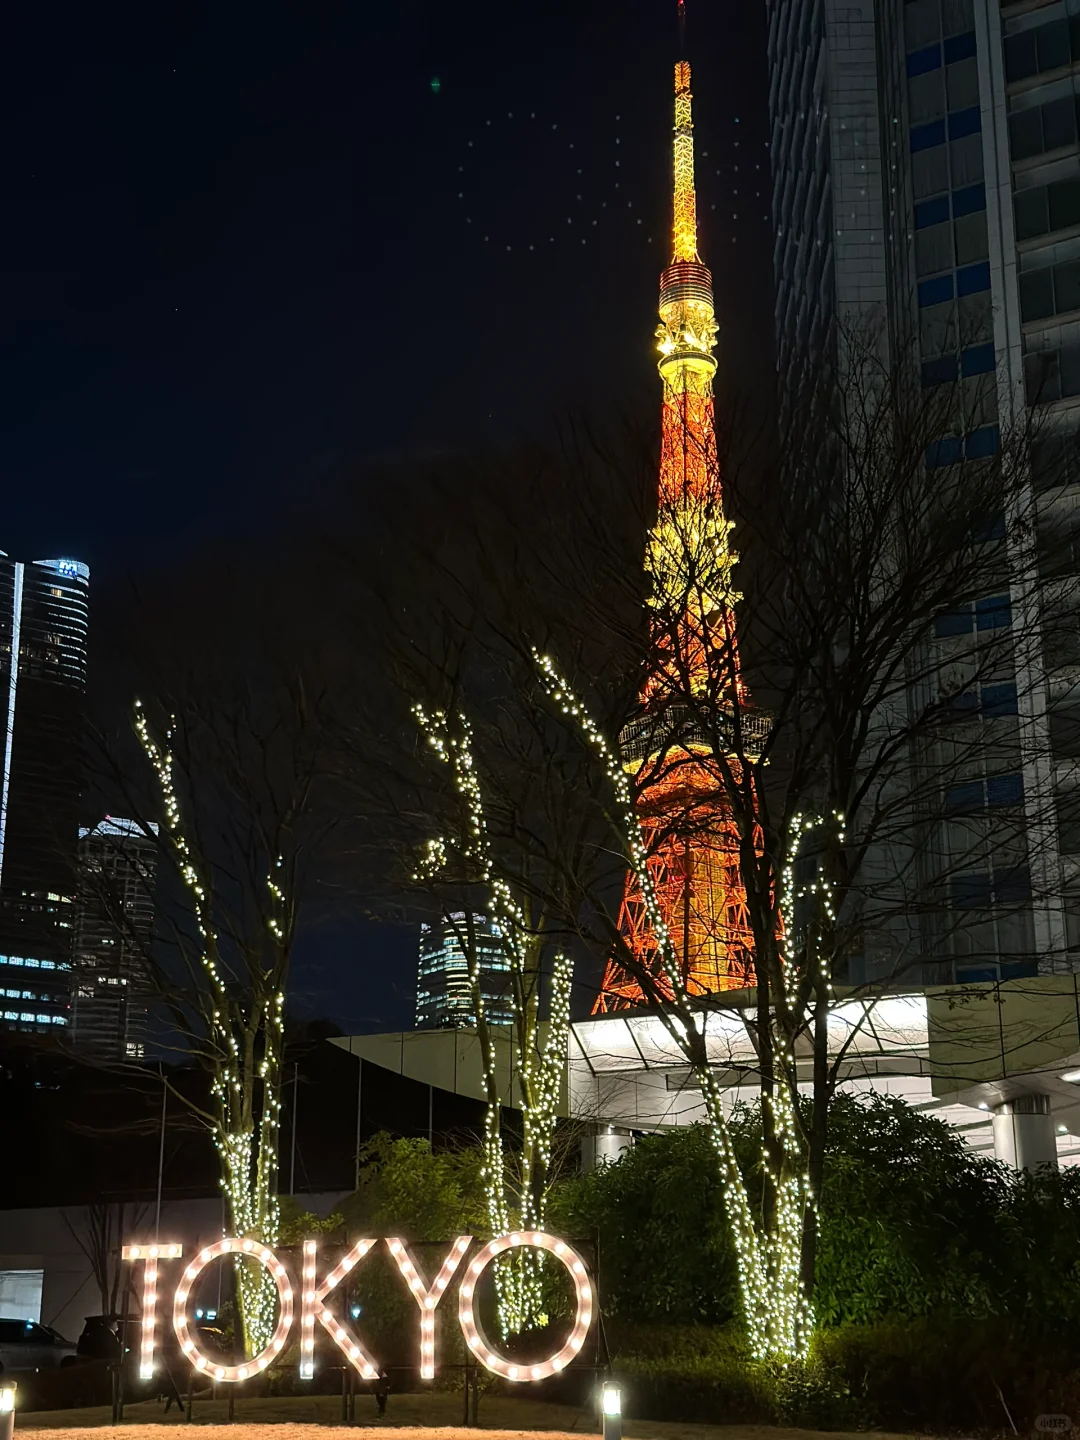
433,1416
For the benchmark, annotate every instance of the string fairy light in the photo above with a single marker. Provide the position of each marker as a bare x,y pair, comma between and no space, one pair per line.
539,1067
778,1317
246,1045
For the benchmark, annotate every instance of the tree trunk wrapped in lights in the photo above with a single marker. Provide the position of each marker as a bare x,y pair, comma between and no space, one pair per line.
777,1315
466,859
231,1005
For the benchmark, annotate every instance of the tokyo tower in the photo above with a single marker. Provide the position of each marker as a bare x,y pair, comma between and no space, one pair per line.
686,822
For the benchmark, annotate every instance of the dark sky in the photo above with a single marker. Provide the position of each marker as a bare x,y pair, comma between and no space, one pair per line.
248,246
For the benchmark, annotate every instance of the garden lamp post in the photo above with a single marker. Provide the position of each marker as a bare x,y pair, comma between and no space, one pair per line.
610,1405
7,1409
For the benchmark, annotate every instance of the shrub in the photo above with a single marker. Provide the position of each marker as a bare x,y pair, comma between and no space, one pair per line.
665,1247
924,1374
703,1373
952,1373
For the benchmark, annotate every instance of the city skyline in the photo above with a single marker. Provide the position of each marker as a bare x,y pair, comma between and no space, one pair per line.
1004,303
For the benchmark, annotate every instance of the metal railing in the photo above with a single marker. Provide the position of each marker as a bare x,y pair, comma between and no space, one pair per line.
653,732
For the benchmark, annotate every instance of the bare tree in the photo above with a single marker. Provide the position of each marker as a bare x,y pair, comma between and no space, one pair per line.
231,792
461,861
884,563
100,1230
866,720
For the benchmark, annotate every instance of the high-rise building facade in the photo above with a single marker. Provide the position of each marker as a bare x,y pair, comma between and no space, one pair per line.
926,181
443,994
43,639
117,873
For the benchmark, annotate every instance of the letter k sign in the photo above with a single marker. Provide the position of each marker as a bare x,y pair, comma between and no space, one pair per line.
314,1309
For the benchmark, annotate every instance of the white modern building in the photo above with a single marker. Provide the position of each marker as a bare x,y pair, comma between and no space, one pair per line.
999,1061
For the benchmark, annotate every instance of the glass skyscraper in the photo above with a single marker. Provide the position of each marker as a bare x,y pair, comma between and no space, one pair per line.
118,871
43,635
926,180
442,986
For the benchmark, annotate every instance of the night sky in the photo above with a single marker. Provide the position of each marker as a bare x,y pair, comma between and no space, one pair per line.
251,247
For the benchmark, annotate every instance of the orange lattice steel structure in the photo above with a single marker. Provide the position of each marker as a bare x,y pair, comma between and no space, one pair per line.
687,825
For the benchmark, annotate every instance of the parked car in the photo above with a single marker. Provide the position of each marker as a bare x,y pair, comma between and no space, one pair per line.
100,1339
26,1345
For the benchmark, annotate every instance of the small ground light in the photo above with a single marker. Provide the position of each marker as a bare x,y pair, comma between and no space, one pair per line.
611,1405
7,1409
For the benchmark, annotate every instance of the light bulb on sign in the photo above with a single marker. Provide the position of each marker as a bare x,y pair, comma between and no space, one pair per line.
313,1303
470,1324
428,1299
307,1314
260,1254
150,1254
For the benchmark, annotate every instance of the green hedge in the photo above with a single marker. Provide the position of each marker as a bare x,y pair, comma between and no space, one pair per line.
704,1373
913,1224
949,1374
924,1374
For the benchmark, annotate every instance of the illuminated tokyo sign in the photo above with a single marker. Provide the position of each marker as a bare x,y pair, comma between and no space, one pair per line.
315,1292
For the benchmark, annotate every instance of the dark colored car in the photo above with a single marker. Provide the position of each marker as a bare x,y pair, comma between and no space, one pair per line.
26,1345
100,1339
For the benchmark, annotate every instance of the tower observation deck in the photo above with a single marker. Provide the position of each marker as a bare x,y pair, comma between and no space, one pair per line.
688,828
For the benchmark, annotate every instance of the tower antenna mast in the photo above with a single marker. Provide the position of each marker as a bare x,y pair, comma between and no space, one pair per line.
682,29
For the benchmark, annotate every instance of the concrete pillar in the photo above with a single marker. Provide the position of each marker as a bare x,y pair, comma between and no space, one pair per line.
1024,1132
603,1145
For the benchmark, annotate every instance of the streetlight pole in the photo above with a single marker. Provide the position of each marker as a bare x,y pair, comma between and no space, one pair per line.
295,1097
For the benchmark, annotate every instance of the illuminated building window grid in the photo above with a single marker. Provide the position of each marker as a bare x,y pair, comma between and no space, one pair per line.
109,1015
443,996
43,605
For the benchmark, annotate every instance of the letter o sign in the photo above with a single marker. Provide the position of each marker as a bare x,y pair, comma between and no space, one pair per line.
473,1331
265,1256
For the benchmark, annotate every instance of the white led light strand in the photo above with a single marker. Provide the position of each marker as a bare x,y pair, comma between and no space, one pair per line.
248,1152
539,1068
769,1265
428,1297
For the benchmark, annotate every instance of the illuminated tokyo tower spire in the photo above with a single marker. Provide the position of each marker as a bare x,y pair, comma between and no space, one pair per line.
691,837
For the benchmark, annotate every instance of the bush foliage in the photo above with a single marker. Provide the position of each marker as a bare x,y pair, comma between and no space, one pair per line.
947,1285
914,1224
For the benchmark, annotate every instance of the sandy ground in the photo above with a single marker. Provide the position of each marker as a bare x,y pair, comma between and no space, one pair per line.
411,1417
